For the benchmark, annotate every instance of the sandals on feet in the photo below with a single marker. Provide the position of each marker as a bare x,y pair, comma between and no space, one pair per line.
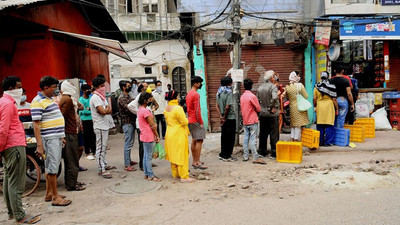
259,161
63,202
29,219
188,180
154,178
48,199
201,167
110,167
77,188
129,169
105,175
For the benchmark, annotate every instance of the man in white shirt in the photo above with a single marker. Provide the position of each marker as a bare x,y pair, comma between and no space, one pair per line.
159,96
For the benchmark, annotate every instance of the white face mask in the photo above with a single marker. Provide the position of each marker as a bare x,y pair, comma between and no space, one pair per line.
16,94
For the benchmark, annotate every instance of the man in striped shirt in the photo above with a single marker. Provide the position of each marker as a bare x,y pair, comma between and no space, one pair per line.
49,132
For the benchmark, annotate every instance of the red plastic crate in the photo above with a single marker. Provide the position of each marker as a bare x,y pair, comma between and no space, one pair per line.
394,104
394,114
395,124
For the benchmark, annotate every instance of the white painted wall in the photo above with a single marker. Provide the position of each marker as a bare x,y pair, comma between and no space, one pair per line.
172,53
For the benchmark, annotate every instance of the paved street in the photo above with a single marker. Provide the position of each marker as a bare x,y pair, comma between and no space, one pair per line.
331,186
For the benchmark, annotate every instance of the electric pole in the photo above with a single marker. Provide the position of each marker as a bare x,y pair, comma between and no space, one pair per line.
236,63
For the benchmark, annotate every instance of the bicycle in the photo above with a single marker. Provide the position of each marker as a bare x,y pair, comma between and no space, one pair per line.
35,170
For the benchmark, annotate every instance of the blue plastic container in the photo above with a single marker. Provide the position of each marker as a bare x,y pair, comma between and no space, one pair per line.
342,137
391,94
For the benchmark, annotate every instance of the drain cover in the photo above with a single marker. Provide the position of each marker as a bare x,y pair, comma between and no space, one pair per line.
135,186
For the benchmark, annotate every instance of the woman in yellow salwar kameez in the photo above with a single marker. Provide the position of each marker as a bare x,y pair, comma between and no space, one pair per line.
176,138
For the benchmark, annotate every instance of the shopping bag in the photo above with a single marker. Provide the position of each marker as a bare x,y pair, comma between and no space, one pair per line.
160,151
155,151
302,103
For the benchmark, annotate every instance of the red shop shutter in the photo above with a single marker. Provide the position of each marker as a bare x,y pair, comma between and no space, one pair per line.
282,60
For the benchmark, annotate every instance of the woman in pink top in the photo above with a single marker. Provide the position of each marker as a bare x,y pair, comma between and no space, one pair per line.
148,135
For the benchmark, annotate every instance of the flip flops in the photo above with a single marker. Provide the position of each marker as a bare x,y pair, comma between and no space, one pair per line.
200,167
259,161
30,219
51,198
105,175
63,202
110,167
188,180
129,169
154,178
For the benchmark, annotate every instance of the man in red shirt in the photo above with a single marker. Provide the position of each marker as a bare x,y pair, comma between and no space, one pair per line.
12,147
250,106
195,122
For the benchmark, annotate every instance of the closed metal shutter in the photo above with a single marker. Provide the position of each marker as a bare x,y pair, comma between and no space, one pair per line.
282,59
394,63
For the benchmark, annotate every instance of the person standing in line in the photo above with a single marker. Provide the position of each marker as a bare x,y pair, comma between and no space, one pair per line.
128,122
176,139
70,151
196,122
344,96
134,107
298,119
250,106
24,108
267,94
169,87
102,122
134,91
159,97
326,108
48,126
227,117
87,123
12,148
148,135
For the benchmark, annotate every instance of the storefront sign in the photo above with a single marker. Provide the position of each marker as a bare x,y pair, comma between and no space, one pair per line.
321,61
370,29
390,2
323,32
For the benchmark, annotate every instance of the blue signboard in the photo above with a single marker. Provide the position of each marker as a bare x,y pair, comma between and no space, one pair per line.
369,29
390,2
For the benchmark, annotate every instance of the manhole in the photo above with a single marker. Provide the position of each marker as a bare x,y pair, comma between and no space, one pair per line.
134,186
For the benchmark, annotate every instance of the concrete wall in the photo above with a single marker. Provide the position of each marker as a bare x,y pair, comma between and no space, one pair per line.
208,9
172,53
345,7
140,22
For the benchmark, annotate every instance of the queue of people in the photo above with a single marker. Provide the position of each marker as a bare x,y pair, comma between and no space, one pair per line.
57,125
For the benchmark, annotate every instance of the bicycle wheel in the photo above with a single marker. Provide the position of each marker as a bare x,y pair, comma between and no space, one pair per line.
33,172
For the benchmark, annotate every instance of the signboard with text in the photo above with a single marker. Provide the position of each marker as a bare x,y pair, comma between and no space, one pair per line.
323,32
390,2
369,29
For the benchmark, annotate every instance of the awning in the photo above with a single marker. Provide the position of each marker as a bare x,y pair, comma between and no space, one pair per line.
108,45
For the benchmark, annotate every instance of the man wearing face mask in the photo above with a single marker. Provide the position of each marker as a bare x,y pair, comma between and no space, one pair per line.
102,122
12,147
48,125
227,116
128,122
70,152
159,113
24,108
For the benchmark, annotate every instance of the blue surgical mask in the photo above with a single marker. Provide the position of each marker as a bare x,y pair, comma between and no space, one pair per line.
56,92
23,98
159,89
